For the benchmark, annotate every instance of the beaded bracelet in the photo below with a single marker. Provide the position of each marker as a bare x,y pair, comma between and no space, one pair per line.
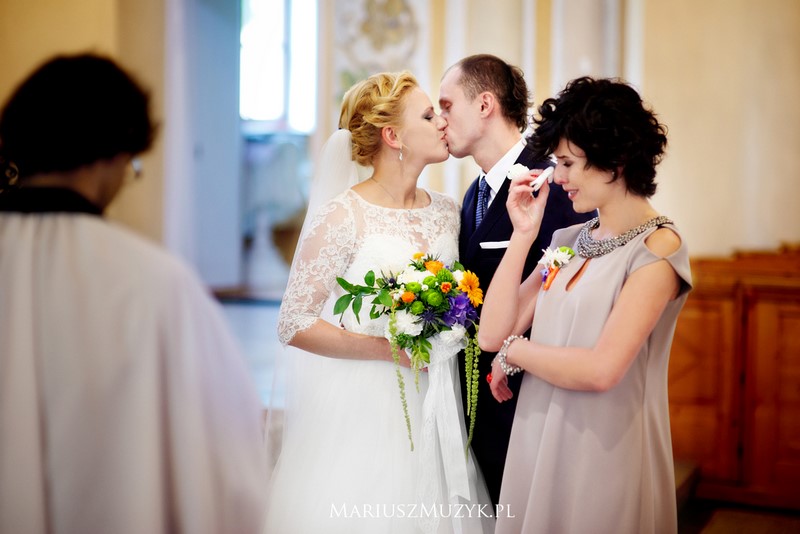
508,369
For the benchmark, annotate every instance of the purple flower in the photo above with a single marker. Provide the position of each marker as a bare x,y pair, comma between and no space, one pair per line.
545,272
460,312
428,316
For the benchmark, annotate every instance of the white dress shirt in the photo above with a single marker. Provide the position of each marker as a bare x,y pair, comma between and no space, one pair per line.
497,174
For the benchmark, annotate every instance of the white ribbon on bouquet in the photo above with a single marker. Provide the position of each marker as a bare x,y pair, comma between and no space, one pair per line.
442,445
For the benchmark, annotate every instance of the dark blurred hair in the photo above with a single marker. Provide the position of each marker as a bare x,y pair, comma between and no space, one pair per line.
485,72
73,111
607,119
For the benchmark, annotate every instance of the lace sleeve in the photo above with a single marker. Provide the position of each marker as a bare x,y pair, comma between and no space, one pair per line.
324,252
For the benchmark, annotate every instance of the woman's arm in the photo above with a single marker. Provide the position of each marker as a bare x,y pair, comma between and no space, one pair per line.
637,310
508,306
325,339
324,253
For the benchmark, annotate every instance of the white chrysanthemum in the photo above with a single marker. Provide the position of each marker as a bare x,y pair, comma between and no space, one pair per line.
517,170
413,275
405,323
455,335
555,258
458,276
448,343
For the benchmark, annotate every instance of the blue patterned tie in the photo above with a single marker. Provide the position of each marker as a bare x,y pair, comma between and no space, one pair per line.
483,200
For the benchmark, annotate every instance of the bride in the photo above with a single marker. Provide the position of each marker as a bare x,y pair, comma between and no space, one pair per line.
346,464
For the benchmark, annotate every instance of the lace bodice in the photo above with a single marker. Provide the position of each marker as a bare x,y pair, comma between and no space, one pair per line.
348,237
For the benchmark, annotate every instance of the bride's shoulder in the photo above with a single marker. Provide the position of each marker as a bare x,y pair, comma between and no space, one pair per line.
333,210
344,200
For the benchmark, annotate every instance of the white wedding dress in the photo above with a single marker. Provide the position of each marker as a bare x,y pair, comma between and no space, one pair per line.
346,463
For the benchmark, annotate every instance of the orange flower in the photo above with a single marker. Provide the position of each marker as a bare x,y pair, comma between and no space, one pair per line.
446,287
434,266
469,285
551,275
418,255
407,297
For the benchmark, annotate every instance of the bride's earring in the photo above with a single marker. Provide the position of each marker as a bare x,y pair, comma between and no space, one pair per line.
401,153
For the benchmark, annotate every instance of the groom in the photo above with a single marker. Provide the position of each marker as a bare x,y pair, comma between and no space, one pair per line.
485,101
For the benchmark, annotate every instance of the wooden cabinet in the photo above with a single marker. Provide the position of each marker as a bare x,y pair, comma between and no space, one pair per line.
734,380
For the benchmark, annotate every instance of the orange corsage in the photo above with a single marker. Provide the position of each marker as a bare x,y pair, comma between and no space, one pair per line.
553,261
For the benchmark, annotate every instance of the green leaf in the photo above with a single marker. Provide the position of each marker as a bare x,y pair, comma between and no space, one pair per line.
347,286
422,349
364,290
369,279
385,298
342,303
425,343
357,307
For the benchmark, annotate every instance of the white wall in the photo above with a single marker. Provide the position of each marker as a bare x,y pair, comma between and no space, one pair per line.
724,75
214,185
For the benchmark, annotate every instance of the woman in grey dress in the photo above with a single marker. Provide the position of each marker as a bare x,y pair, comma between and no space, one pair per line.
590,447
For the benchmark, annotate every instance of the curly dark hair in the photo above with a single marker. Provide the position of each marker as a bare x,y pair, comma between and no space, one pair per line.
607,119
73,111
485,72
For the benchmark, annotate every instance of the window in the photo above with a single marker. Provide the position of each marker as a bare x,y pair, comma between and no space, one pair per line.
278,73
278,108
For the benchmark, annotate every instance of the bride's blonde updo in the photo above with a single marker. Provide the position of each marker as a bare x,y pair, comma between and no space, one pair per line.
371,105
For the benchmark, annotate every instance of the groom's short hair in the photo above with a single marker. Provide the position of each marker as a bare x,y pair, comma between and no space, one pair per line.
485,72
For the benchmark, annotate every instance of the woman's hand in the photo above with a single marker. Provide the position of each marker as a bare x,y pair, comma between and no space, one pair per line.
525,210
499,383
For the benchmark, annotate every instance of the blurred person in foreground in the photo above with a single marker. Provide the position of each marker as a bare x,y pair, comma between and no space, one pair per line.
125,405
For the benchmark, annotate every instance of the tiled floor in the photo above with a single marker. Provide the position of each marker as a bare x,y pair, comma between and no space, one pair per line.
254,324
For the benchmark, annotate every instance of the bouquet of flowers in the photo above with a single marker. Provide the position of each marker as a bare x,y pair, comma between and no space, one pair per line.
427,298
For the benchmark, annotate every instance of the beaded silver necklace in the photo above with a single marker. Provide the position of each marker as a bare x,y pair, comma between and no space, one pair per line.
588,247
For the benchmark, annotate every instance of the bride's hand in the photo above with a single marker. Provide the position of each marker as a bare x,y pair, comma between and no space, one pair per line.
525,210
404,358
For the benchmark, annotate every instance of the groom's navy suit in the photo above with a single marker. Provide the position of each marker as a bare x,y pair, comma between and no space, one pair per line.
493,422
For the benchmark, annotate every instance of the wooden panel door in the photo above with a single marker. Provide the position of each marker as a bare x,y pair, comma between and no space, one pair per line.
772,396
704,373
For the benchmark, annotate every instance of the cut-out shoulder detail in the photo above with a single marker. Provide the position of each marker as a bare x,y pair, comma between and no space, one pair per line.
663,242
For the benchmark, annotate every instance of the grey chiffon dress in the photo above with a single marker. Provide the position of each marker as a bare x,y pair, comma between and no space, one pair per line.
595,462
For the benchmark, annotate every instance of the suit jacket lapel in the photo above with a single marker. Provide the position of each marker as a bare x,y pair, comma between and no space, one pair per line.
494,214
468,210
